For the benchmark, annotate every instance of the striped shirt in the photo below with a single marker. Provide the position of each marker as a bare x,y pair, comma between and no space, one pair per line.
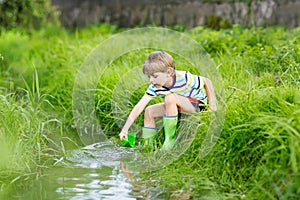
185,84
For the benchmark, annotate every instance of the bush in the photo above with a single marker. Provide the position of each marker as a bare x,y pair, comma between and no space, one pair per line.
26,14
216,22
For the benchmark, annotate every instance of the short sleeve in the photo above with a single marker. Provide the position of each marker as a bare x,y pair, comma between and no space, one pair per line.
150,92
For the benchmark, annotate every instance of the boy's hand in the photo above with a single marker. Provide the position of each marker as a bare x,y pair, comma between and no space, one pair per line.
123,134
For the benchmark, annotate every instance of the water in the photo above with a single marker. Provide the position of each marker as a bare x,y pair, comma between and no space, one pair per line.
75,184
94,172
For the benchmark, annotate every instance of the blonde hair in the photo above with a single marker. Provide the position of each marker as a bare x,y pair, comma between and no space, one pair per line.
158,61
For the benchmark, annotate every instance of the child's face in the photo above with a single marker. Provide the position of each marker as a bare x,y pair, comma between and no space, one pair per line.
159,79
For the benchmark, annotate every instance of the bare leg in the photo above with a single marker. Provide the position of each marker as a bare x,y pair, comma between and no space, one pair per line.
152,112
173,102
170,107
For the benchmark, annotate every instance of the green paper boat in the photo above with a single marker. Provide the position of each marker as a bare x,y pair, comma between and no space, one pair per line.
131,140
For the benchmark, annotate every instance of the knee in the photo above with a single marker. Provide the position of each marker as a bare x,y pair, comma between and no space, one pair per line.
148,112
170,99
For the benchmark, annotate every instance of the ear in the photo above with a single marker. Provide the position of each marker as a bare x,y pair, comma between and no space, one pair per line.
170,71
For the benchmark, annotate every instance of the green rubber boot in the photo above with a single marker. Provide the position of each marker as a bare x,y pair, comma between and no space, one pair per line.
149,136
170,127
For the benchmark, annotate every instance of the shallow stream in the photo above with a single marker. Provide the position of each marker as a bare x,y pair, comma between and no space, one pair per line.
94,172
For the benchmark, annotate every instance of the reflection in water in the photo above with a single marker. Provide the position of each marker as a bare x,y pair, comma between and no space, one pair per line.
102,177
104,183
94,172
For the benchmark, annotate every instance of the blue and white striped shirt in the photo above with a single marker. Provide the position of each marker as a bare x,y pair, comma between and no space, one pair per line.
185,84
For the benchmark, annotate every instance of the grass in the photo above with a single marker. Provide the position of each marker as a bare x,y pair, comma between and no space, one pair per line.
256,156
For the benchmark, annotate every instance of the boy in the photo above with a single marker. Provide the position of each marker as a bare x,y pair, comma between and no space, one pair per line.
181,91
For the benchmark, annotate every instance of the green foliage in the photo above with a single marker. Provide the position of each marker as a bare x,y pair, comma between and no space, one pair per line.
216,22
26,14
25,127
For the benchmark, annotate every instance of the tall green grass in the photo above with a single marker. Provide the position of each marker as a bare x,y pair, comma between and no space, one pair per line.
256,156
36,78
25,129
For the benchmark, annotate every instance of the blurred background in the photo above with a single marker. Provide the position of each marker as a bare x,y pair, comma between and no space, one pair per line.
190,13
131,13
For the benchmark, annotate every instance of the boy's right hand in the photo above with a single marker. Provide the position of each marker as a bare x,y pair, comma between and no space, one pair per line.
123,134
